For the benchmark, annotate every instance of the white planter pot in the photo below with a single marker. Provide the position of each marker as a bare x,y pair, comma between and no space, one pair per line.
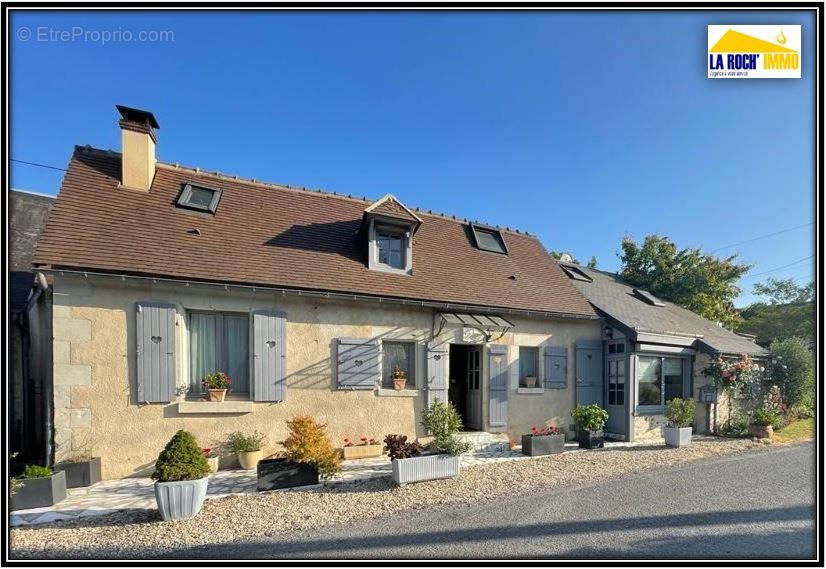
677,437
181,499
420,468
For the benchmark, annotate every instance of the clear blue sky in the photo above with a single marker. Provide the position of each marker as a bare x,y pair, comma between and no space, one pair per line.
578,127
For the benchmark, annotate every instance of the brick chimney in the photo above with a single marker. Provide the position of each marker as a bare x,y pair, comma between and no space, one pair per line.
138,140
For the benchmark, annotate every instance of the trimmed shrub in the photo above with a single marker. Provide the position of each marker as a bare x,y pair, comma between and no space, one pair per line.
589,417
792,369
442,421
36,471
308,443
181,459
239,442
679,412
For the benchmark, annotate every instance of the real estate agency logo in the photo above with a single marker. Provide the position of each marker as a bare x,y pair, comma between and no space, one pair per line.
754,52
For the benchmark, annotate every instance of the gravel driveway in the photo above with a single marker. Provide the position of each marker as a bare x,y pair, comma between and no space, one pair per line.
235,518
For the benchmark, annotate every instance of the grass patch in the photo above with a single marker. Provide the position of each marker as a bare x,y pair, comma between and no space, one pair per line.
798,431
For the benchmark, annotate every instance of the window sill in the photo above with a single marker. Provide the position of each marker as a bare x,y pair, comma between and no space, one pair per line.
531,390
228,406
385,392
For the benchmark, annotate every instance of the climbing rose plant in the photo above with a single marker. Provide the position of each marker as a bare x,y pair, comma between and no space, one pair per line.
730,374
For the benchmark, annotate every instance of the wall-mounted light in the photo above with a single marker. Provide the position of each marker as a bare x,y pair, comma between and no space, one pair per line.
609,332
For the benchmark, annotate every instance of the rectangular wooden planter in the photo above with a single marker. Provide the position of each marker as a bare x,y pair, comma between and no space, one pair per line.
80,474
591,439
541,445
361,451
40,492
428,467
277,473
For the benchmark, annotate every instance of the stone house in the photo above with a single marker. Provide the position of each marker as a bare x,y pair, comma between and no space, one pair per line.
161,273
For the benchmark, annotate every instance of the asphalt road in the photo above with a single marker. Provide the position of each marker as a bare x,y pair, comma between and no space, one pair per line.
754,505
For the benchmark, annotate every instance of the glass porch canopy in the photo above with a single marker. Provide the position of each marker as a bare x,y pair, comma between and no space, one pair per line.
486,322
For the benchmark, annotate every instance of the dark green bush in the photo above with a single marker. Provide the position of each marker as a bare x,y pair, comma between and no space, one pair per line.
679,412
181,459
792,369
737,426
766,418
36,471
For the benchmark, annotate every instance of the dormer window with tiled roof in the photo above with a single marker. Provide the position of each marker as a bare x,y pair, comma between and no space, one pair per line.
488,239
390,228
199,198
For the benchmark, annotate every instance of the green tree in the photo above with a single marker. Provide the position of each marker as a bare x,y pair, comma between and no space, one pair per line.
789,312
592,262
698,281
791,369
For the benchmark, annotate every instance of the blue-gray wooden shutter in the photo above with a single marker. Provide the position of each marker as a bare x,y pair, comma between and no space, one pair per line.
498,386
556,367
436,371
357,363
269,355
155,334
589,385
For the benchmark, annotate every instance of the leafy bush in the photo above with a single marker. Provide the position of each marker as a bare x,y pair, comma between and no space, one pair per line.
679,412
589,417
308,443
239,442
737,426
766,418
791,369
398,447
442,421
36,471
181,459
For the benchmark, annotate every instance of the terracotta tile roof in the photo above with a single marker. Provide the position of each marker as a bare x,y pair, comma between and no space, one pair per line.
390,206
272,235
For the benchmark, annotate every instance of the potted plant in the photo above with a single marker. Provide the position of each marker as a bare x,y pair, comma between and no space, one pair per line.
680,415
82,469
762,423
590,419
247,447
442,421
309,455
543,440
211,458
180,478
399,378
529,380
216,384
368,447
37,487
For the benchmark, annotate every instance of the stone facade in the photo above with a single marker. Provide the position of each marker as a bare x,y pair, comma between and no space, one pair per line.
95,371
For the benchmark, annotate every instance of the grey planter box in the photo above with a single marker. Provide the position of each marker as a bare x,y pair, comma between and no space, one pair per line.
182,499
40,492
79,474
546,444
428,467
677,436
277,473
591,439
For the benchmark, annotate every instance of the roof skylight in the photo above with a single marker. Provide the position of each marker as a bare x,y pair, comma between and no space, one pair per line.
199,198
489,239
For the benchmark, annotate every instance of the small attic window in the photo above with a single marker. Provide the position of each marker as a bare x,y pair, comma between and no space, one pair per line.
200,198
489,239
646,296
576,273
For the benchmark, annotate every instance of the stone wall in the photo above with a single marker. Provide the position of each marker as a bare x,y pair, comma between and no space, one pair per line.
95,371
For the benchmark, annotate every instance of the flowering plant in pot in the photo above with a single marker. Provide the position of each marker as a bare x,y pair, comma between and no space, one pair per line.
180,477
590,420
543,440
247,447
216,384
680,415
399,378
367,447
763,421
212,459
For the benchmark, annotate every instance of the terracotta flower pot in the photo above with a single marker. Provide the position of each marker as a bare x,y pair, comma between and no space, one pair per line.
530,381
399,383
217,394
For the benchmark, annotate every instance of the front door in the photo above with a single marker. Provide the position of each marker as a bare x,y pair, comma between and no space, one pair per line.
473,411
616,396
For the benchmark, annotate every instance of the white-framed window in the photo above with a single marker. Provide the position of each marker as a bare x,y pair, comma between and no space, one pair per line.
398,353
219,341
390,248
529,366
659,379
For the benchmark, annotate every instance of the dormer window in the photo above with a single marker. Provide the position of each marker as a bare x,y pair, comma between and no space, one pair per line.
390,227
200,198
489,239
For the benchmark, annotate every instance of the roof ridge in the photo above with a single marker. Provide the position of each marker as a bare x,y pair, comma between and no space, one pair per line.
314,191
